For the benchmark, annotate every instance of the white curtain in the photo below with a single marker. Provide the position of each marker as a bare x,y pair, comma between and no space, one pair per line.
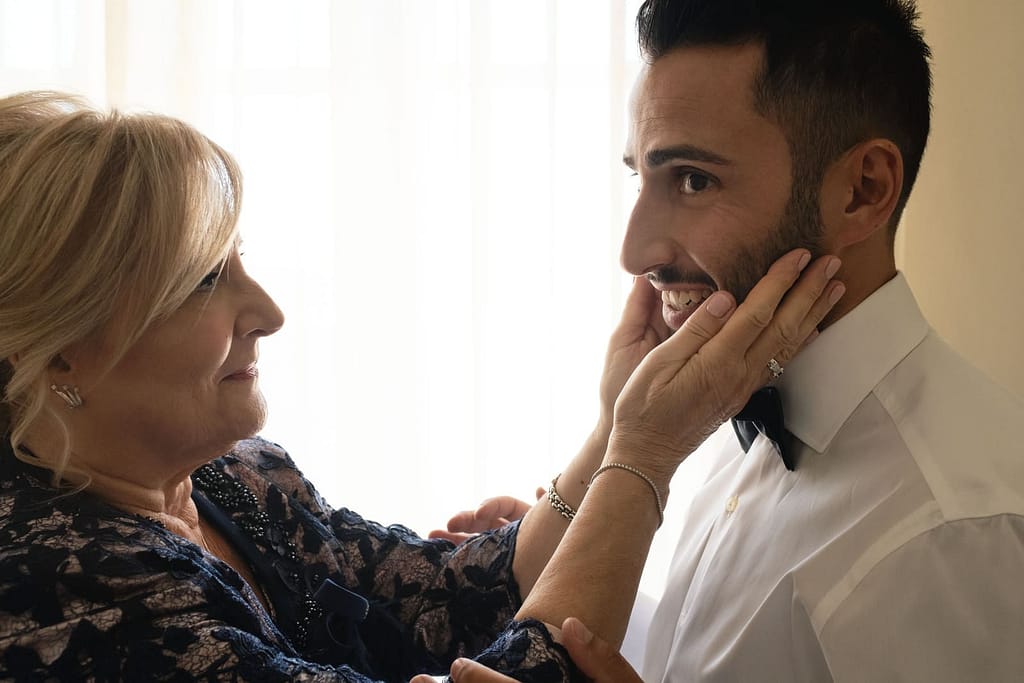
434,196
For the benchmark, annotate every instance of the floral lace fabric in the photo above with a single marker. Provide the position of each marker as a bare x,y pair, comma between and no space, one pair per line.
91,593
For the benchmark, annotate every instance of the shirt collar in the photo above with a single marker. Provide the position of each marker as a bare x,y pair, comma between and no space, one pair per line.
829,379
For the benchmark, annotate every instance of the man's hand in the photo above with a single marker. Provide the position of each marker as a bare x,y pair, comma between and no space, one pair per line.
493,513
596,658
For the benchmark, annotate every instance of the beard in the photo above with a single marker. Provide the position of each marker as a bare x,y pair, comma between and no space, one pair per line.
800,226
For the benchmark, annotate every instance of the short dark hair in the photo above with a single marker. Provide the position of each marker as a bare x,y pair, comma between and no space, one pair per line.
835,73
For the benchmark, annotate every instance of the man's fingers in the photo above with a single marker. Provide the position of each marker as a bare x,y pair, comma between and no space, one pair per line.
500,507
464,522
456,538
596,658
424,678
468,671
493,513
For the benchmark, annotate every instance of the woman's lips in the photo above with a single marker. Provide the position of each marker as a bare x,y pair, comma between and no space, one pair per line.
247,373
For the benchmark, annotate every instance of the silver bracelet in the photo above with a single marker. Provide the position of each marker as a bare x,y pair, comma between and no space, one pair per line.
650,482
559,505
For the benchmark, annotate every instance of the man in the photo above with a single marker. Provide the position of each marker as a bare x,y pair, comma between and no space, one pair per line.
893,549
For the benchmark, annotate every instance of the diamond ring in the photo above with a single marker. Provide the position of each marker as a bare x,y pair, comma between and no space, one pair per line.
775,368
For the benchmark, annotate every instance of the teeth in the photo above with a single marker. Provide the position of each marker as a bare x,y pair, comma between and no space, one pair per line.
684,299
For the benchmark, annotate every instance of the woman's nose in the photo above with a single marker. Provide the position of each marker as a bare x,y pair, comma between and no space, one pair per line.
262,315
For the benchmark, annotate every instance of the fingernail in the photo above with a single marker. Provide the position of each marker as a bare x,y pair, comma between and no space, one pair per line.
457,666
580,631
718,304
837,293
832,268
804,260
811,337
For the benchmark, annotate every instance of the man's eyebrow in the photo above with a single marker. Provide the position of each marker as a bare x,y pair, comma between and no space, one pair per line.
660,157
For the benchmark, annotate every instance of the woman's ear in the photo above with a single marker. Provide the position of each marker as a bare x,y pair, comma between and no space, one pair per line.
62,370
861,191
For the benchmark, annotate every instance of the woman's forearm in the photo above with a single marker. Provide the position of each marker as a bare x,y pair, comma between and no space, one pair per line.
595,571
543,527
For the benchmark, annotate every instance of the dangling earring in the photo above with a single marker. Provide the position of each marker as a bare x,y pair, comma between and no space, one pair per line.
68,392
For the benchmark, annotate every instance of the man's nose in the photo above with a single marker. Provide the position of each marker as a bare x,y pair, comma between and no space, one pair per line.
648,244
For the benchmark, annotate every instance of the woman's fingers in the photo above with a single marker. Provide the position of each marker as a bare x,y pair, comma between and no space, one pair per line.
707,370
804,306
757,311
698,329
641,315
736,329
777,317
642,298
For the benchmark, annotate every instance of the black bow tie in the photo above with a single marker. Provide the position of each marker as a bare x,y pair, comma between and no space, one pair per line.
763,414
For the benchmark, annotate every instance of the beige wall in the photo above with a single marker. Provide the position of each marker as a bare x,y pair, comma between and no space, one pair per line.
962,239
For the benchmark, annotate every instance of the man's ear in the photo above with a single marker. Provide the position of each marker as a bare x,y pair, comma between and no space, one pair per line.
861,191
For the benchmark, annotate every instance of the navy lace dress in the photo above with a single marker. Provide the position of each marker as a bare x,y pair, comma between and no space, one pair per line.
88,592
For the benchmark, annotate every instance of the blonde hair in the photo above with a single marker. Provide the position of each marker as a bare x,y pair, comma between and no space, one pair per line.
104,217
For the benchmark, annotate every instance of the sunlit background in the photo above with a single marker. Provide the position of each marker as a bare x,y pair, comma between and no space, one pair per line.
435,198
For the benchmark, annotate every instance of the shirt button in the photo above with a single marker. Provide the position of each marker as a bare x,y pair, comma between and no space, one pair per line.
732,504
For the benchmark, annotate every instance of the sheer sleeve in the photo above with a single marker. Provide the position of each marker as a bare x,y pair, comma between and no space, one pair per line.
432,601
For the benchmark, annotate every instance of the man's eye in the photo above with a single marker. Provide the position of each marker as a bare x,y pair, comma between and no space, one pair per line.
694,183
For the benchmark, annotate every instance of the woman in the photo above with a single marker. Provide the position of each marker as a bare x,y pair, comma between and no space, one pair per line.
145,533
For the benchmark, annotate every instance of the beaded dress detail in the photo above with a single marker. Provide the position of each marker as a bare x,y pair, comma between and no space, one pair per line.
88,592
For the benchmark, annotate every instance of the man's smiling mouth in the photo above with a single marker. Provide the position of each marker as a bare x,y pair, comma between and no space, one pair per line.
683,299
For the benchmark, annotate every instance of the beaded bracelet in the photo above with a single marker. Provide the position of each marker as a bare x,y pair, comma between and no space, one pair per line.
560,506
633,470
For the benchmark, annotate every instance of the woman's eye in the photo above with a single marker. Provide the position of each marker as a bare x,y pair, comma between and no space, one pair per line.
209,281
634,178
694,183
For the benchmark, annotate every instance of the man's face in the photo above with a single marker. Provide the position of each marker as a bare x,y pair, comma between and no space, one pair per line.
715,206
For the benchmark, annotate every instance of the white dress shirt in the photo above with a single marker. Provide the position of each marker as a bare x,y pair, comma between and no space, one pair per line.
894,552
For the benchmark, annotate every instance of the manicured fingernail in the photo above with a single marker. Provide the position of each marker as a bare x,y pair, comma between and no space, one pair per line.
457,666
580,632
804,260
718,304
811,337
832,268
837,293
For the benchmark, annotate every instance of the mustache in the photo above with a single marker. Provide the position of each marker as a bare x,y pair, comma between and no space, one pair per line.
671,275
